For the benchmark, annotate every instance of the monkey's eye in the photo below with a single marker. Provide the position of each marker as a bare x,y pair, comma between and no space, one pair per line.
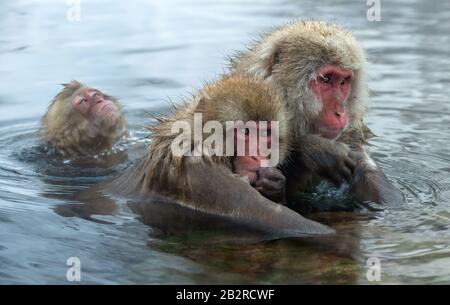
326,79
83,100
97,94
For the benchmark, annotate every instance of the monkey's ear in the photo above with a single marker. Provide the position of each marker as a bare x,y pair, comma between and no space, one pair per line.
269,57
274,59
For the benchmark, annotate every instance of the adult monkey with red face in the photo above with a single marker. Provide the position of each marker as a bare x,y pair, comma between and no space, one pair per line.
82,121
319,70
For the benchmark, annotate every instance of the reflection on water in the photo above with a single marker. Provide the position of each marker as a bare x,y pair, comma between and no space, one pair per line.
147,52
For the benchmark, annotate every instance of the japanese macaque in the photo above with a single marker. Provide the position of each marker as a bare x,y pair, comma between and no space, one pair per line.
319,70
82,121
203,180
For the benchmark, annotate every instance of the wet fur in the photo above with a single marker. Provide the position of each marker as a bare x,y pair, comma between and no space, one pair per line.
72,134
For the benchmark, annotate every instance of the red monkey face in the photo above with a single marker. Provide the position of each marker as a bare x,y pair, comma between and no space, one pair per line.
250,162
332,86
96,108
90,101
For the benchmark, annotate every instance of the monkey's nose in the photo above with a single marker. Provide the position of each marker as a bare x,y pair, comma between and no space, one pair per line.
338,114
257,159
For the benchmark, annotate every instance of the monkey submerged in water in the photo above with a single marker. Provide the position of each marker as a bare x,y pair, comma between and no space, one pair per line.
210,183
320,70
82,121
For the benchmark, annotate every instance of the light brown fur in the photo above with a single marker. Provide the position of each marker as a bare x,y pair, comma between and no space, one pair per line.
229,99
287,58
71,133
172,189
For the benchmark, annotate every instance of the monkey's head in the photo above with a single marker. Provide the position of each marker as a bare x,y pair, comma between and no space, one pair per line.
251,113
320,71
82,121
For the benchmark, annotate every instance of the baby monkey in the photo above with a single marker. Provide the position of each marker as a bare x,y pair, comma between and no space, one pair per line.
82,121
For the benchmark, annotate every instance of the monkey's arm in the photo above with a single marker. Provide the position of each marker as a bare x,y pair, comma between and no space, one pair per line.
217,192
314,155
369,183
211,191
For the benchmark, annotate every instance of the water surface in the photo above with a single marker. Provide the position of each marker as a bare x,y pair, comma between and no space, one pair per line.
147,52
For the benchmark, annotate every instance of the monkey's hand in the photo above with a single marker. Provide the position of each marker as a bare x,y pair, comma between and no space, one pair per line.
370,184
329,159
271,183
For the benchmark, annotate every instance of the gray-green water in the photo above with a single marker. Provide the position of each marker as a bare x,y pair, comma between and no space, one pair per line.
147,51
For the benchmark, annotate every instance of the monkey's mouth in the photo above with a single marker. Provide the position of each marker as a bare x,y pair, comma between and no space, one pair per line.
329,133
107,107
